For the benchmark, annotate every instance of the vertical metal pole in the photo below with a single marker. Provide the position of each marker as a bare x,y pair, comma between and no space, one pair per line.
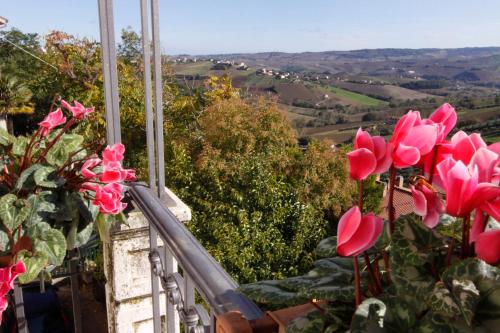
172,316
108,52
158,98
22,324
75,295
150,135
188,294
103,25
153,235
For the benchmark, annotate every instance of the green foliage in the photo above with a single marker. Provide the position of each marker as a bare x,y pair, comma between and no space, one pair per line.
260,204
130,49
426,295
14,95
34,262
49,241
13,211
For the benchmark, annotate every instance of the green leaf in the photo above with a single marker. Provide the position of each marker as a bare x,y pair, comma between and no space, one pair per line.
83,236
313,322
329,292
121,218
34,264
41,177
466,296
49,241
40,207
13,211
486,279
103,228
432,323
412,242
4,241
460,300
414,246
327,247
25,175
369,316
483,276
5,138
19,146
270,292
58,155
71,142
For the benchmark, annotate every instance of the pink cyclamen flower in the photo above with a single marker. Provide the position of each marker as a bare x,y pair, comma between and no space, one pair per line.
52,120
3,306
108,198
8,275
427,204
356,233
113,153
113,172
130,175
478,225
371,155
488,246
463,191
78,111
495,147
88,166
412,139
464,146
447,117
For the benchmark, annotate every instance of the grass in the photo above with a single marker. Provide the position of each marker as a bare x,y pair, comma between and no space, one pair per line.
358,98
202,68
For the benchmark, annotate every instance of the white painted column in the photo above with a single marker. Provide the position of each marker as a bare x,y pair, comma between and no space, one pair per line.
128,274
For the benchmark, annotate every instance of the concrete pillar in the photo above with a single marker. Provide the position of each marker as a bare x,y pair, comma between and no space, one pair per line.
127,269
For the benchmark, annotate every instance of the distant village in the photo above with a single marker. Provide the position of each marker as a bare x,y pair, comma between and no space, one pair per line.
225,64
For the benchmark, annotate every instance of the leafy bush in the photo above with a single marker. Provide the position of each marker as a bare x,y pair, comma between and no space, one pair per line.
260,203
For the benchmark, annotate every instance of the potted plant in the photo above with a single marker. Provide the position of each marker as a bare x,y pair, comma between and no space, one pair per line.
54,190
435,270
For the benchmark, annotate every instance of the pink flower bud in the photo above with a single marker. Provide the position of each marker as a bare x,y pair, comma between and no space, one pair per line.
356,233
52,120
78,111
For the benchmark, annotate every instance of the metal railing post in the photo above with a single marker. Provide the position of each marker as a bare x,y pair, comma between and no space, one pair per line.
158,98
108,55
22,323
173,322
153,235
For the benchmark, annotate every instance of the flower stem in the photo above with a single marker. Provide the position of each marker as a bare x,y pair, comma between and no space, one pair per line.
392,211
361,194
465,236
53,142
357,282
377,271
378,286
433,163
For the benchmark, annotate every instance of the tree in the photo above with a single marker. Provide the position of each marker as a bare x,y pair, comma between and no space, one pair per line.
14,99
130,49
260,203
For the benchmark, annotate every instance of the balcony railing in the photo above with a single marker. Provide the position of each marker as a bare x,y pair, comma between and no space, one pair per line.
200,272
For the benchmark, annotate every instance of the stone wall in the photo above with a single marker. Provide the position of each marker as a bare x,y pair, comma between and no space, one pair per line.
128,272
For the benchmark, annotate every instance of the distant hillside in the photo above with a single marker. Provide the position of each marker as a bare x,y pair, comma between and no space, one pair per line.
331,94
480,64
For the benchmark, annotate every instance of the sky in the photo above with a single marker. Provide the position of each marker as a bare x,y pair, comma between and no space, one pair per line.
228,26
